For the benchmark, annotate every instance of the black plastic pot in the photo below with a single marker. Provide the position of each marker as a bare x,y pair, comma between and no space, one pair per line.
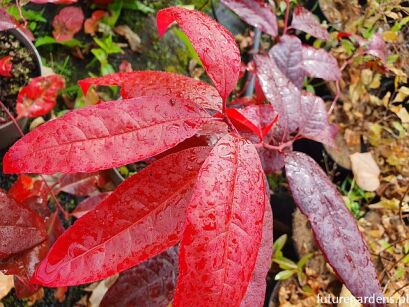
8,132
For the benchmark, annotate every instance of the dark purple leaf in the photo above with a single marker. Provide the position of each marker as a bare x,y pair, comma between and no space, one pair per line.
316,125
333,225
287,54
150,284
319,63
305,21
281,93
271,160
256,13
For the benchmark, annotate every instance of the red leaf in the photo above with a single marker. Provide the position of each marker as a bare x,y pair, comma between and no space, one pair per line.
319,63
89,204
236,115
39,96
6,66
223,227
91,24
149,284
80,184
213,43
106,135
125,66
256,13
67,23
20,228
281,93
256,290
6,21
271,160
142,218
22,265
305,21
333,225
22,188
316,125
287,54
148,83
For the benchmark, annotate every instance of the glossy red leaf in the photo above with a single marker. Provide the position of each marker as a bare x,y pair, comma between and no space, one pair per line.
106,135
22,266
213,43
67,23
223,227
281,93
143,217
305,21
319,63
20,228
287,54
256,291
149,284
316,125
22,188
91,24
39,96
80,184
6,66
6,21
158,83
256,13
236,116
333,225
89,204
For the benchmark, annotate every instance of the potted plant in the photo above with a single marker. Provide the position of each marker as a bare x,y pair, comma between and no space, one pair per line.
21,63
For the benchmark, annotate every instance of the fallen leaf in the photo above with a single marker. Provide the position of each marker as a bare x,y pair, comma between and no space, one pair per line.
6,66
133,39
6,284
366,171
91,24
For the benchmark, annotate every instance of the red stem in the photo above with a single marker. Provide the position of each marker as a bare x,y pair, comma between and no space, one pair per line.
287,15
15,123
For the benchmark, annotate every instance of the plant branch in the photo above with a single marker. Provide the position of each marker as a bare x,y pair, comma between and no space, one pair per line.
287,15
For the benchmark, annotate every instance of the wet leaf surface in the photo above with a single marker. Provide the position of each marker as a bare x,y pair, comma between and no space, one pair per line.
223,227
256,13
281,93
319,63
256,289
305,21
39,96
89,204
333,225
287,54
213,43
104,136
113,237
148,83
80,184
150,284
20,228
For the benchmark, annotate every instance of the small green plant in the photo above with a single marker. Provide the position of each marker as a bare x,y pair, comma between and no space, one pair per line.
288,266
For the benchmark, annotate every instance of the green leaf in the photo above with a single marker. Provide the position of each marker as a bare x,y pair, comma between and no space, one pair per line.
283,275
114,9
279,244
303,261
137,6
192,52
108,45
285,263
27,14
48,40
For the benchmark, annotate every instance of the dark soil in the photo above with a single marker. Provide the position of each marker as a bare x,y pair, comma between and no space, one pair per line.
24,68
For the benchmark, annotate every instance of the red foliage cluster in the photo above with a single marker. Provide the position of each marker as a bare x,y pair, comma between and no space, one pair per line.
206,186
6,66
